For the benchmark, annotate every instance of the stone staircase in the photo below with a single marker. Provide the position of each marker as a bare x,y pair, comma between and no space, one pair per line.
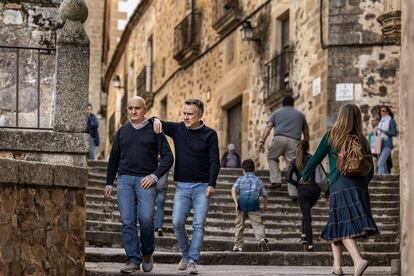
282,223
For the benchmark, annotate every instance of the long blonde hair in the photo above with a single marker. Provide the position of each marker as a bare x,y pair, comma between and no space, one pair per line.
349,121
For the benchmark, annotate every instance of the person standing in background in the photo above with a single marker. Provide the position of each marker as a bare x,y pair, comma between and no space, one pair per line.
92,130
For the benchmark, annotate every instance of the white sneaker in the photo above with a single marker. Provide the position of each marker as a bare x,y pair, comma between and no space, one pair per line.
130,267
192,268
237,249
182,265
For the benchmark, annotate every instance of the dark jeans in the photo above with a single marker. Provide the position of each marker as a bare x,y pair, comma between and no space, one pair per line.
308,195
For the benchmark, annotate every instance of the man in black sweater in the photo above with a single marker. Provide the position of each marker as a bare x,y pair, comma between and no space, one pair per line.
197,164
134,156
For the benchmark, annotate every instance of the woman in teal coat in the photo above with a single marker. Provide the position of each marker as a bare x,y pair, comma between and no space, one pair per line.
350,214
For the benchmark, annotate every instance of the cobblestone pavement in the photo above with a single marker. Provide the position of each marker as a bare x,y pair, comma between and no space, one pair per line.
210,270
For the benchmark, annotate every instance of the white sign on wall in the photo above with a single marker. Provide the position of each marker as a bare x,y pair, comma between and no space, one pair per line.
344,92
316,86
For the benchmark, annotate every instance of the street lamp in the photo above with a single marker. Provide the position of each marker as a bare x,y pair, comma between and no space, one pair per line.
116,82
247,32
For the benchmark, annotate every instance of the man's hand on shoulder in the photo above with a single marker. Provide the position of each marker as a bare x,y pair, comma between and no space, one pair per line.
210,191
147,182
157,126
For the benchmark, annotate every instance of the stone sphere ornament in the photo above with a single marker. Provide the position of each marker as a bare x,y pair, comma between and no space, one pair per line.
75,10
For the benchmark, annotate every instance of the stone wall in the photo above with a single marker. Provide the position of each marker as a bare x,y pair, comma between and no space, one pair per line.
358,55
27,24
42,219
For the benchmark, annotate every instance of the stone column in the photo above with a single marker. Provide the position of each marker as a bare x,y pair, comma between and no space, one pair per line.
72,69
43,174
407,138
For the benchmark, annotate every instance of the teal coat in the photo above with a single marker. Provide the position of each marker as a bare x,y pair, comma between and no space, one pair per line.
323,149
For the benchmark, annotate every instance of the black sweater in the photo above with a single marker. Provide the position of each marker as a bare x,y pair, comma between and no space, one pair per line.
135,152
196,153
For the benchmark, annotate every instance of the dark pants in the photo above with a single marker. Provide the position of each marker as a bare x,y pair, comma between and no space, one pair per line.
308,195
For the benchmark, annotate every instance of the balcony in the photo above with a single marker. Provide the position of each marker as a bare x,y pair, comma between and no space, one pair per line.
187,38
144,85
278,78
227,14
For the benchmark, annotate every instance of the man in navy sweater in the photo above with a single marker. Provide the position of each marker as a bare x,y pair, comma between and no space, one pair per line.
134,156
197,164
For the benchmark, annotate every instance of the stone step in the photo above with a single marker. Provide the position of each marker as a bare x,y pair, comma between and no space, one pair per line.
273,208
374,194
110,238
95,195
229,180
112,269
169,243
279,226
246,258
102,165
95,212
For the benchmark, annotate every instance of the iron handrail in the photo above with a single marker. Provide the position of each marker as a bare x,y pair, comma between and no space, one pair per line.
39,51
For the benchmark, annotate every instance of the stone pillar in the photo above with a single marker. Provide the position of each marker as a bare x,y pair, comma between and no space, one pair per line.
407,138
72,69
43,174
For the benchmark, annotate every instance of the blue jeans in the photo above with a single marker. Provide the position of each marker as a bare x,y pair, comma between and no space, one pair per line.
159,217
382,161
187,196
92,148
136,203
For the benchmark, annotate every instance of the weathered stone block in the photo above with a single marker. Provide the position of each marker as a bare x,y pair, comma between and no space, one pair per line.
72,78
43,141
35,173
8,171
71,176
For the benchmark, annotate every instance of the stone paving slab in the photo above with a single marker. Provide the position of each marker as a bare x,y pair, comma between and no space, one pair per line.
109,269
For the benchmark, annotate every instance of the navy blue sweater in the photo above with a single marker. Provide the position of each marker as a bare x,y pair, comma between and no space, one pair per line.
196,153
135,152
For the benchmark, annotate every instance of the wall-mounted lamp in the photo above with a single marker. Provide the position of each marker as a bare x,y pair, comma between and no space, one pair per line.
116,82
247,32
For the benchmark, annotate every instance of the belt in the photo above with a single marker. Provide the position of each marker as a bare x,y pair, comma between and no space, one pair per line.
287,137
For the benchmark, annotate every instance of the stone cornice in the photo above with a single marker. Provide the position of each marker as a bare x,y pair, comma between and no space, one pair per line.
43,141
27,173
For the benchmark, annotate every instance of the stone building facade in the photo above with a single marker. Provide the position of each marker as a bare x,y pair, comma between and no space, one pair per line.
318,51
104,27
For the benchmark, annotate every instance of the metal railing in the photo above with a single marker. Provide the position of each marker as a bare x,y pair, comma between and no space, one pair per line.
223,7
18,52
186,34
278,73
